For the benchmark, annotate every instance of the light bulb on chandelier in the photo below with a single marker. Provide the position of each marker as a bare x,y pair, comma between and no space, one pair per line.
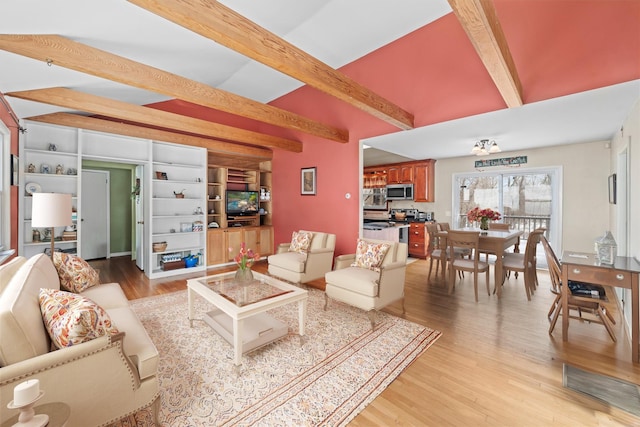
484,147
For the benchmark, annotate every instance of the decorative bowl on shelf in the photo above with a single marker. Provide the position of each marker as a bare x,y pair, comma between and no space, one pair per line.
159,246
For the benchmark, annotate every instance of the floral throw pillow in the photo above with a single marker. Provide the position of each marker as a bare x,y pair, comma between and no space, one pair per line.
370,255
75,274
72,319
300,241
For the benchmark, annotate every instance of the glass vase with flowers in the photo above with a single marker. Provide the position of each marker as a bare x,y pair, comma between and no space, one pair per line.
244,259
483,216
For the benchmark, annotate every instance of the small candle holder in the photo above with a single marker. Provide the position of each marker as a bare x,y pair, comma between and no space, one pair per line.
28,417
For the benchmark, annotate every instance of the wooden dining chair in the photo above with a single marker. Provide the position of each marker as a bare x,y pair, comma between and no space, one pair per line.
435,251
594,304
524,263
468,240
461,252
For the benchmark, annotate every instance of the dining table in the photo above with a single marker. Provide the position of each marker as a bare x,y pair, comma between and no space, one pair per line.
491,241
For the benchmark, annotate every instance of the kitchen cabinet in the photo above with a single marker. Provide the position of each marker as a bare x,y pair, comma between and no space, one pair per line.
219,240
374,178
418,240
424,182
401,174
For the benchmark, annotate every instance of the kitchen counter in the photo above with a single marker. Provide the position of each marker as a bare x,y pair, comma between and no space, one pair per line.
391,233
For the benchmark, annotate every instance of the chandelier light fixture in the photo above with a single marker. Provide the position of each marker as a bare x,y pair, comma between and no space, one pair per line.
484,147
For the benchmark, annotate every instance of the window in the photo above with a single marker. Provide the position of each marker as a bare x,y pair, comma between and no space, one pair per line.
527,199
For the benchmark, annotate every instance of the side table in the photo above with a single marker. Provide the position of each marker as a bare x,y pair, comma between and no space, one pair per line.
58,414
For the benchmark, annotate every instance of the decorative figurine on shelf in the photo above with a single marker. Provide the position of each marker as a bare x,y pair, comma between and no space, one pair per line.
179,195
31,168
52,147
59,170
36,235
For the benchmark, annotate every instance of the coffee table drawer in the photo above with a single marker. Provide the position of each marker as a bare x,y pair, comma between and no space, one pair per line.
257,331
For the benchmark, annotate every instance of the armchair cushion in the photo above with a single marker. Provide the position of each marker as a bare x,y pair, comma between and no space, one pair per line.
72,319
370,254
362,281
75,274
291,261
300,241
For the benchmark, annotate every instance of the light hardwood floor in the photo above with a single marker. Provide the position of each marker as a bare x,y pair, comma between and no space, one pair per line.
495,364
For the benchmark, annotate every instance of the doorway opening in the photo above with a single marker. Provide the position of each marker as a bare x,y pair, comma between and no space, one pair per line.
124,210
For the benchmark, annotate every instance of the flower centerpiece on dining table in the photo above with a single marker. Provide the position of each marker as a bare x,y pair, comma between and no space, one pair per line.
483,216
244,260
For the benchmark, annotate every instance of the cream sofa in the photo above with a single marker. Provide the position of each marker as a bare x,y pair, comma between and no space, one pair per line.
302,268
367,289
101,380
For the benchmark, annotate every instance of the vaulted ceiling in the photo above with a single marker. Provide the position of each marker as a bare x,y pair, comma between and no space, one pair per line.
422,79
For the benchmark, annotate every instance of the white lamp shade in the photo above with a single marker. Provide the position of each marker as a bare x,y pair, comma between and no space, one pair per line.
51,210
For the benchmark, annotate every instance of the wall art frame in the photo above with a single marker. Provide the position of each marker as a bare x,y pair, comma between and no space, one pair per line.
613,184
308,181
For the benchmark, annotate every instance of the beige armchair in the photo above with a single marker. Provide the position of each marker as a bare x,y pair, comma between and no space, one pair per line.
300,264
364,287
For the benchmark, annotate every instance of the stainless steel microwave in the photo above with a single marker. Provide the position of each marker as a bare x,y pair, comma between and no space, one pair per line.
400,192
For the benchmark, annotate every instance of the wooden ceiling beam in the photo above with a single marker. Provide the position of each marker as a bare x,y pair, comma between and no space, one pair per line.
217,22
109,126
58,50
480,22
75,100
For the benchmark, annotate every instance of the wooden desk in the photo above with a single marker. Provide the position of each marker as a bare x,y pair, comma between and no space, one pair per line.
494,241
584,267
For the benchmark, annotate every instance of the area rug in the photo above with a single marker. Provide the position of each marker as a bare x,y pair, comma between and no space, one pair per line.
613,391
325,379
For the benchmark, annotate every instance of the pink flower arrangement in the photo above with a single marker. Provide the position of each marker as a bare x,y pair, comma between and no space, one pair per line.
245,257
477,214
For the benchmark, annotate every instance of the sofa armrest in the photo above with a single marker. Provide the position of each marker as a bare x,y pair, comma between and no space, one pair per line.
283,247
94,378
344,261
320,251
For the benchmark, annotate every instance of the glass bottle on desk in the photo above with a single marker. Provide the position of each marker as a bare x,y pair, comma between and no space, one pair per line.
606,249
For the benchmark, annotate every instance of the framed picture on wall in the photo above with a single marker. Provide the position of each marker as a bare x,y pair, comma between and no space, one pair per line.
14,170
308,181
612,188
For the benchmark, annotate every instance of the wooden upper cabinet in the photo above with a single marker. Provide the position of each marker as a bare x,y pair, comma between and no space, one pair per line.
424,181
400,174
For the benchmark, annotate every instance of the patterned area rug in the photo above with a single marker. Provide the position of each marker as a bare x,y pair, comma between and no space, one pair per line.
337,370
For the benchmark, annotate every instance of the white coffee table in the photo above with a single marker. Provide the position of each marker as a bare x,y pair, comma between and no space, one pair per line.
240,314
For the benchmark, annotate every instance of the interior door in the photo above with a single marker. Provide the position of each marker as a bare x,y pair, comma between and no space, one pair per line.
95,214
139,215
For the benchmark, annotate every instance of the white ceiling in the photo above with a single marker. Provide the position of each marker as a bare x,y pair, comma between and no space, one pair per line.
335,31
589,116
122,28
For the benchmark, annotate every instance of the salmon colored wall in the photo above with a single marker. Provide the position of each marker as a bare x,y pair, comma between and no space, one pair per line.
7,117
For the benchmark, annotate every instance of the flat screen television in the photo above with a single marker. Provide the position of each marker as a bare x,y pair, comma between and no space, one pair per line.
242,202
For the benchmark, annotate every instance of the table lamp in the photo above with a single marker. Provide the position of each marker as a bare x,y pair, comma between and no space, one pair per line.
51,210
